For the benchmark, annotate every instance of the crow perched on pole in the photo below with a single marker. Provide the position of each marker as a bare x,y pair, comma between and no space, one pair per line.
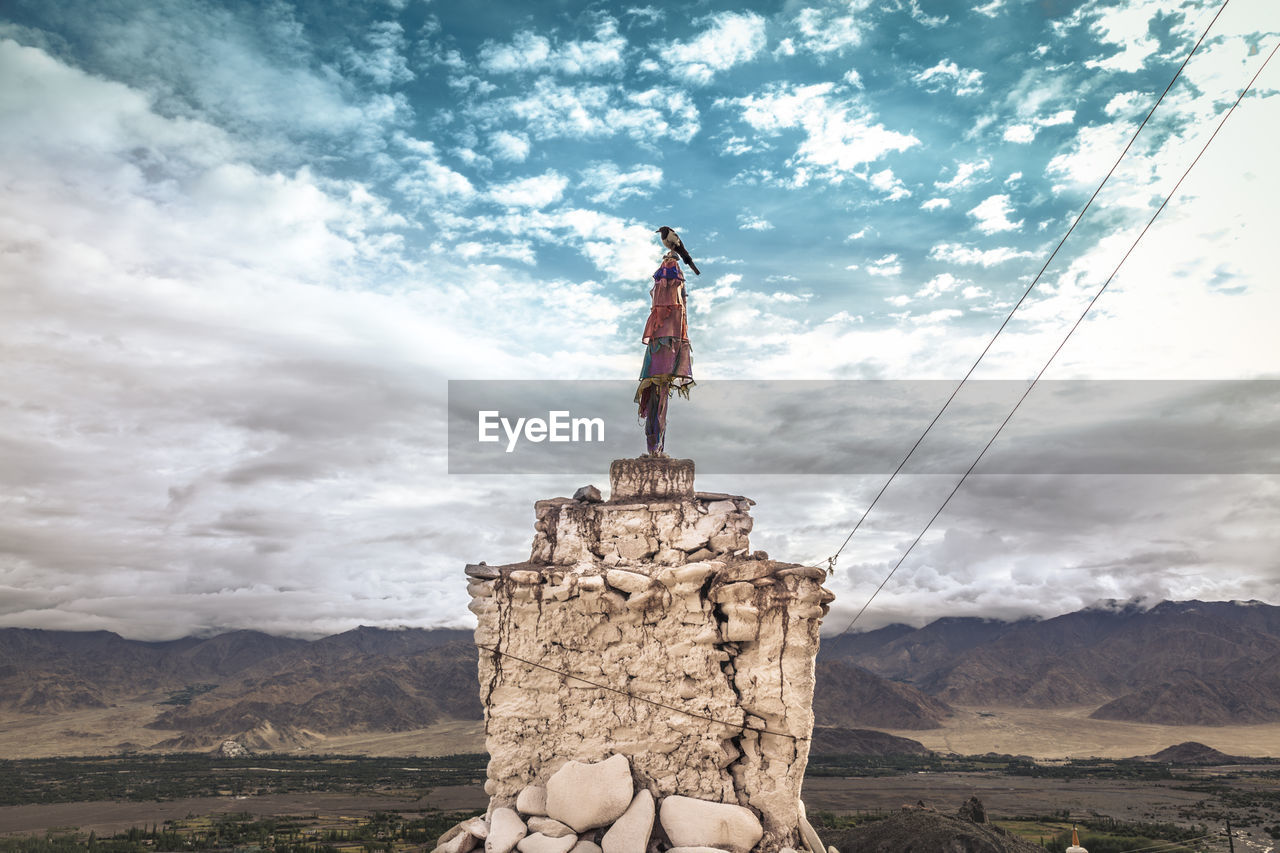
671,240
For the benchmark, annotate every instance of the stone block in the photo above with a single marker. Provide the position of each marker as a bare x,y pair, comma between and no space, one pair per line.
532,801
539,843
505,831
549,827
628,582
587,796
630,833
650,478
697,823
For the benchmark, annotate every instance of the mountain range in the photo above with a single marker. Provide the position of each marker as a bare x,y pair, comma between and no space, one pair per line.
1191,662
1177,663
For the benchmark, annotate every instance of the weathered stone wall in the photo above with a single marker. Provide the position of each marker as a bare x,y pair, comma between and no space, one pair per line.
654,593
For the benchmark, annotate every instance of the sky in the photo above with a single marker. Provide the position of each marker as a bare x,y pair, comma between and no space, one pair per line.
246,246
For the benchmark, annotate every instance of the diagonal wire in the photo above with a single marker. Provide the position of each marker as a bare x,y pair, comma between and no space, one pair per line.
687,713
831,561
1067,337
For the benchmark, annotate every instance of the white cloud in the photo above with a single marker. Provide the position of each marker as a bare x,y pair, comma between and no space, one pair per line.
512,147
966,175
992,214
731,39
1126,104
857,235
824,31
1020,133
885,266
1013,178
1093,146
644,14
887,183
431,181
748,222
931,21
938,285
384,62
1026,131
899,300
552,109
530,52
722,289
608,185
936,204
840,133
955,253
1129,28
973,291
946,74
535,191
1060,117
942,315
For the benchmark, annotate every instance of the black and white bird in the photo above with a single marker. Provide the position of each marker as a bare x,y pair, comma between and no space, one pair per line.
671,240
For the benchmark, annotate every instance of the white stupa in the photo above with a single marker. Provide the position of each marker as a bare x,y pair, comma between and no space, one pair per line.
1075,843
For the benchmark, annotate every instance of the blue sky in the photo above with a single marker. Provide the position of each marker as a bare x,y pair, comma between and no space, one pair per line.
245,246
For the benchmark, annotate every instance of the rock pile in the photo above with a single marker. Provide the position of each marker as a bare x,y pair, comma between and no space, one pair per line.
642,631
596,808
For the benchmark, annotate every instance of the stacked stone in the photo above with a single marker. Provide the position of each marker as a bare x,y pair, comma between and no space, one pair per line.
595,808
653,593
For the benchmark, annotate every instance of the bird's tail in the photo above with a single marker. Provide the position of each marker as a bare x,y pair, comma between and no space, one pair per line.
684,255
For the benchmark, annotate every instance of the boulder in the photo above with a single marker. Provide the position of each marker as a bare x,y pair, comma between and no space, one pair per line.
532,801
810,836
549,827
462,842
628,582
698,823
505,831
539,843
588,494
586,847
586,796
630,833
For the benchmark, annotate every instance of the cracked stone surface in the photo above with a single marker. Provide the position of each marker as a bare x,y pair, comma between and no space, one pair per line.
654,593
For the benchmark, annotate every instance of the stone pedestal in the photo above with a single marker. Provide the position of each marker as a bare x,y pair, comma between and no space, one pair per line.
651,479
656,595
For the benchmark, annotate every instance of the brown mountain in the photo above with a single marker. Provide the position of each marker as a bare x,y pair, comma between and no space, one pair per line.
850,696
272,692
1192,752
923,829
1178,662
837,740
1245,692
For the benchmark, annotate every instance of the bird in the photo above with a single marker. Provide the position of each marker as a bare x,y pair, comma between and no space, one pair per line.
671,240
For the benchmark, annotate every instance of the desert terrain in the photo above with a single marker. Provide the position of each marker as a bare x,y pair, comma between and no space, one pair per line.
1057,733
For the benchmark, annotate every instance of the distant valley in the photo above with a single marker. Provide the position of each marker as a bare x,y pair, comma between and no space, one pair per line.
1176,664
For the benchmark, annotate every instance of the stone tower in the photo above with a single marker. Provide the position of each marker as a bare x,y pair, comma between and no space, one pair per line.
694,656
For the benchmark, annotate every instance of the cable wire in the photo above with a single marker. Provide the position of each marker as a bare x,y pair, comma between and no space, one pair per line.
1067,337
831,561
